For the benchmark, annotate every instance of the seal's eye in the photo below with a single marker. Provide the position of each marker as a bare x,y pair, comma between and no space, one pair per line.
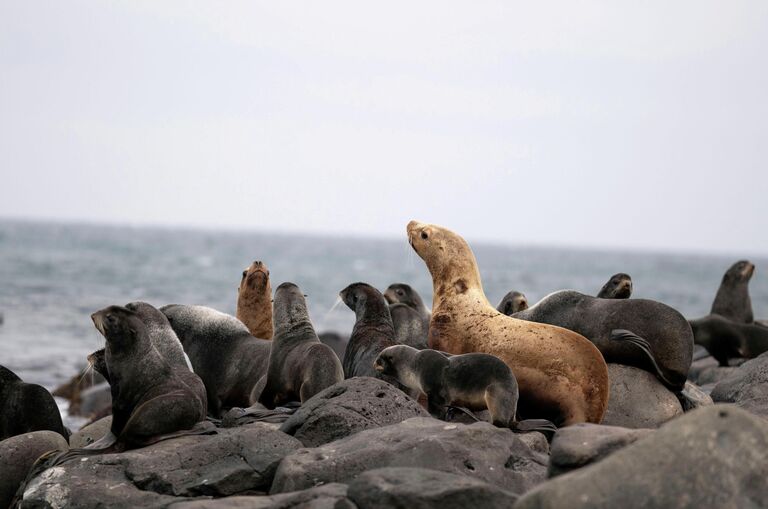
245,273
424,235
400,293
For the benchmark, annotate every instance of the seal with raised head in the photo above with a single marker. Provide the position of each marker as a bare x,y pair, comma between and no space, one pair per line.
562,377
254,300
410,316
26,407
300,365
512,303
161,333
151,398
229,359
726,339
619,286
732,299
636,332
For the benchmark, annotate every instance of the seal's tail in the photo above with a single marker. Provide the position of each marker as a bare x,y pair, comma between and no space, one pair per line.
645,347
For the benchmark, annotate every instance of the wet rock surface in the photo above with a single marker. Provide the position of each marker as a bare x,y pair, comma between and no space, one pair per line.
19,453
746,386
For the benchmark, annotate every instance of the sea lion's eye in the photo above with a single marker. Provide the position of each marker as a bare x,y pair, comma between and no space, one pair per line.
245,273
424,235
400,292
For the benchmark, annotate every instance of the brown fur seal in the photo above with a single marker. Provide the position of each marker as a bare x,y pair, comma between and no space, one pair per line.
561,375
26,407
732,300
150,396
619,286
410,316
254,300
512,303
300,365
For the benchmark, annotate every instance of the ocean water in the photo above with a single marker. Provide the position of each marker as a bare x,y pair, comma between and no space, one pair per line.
53,276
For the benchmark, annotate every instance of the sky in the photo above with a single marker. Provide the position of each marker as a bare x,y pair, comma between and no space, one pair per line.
620,125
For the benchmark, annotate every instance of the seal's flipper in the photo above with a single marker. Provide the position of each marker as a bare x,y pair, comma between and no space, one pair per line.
543,426
645,347
257,413
450,409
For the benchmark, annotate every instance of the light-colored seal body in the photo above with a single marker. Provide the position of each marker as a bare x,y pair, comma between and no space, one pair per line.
561,375
254,300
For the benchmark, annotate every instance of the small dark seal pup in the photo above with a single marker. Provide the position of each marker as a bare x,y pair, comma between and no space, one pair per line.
732,300
229,360
410,316
26,407
726,339
254,300
618,287
300,365
473,380
150,397
512,303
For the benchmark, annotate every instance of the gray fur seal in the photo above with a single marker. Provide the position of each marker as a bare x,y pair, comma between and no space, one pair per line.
254,300
300,365
26,407
636,332
225,355
726,339
732,299
410,316
512,303
619,286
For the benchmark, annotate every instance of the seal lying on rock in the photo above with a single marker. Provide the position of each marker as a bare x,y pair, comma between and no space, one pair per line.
300,365
409,315
618,287
512,303
254,300
726,339
225,355
26,407
561,375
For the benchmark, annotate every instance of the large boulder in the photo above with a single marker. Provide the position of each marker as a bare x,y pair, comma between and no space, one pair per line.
747,386
582,444
348,407
19,453
637,399
710,457
419,487
90,433
327,496
233,461
480,450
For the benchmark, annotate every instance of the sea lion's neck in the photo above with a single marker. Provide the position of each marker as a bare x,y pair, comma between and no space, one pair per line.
294,324
255,311
373,313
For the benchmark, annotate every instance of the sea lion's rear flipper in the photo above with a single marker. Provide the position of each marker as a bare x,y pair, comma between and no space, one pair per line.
257,413
450,410
645,347
543,426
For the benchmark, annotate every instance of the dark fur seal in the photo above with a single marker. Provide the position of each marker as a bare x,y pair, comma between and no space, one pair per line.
26,407
732,300
512,303
225,355
254,300
726,339
410,316
161,333
300,365
635,332
618,287
150,396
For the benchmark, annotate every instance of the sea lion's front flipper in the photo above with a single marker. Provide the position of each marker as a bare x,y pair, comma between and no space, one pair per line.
645,347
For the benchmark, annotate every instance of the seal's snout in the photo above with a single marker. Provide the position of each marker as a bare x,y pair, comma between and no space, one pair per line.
378,365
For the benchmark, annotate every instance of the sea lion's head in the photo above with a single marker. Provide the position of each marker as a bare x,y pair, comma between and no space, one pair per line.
740,272
403,294
394,360
512,303
255,280
289,307
356,295
448,257
618,287
98,362
120,326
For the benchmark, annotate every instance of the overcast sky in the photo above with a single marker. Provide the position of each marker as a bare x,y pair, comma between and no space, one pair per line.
567,123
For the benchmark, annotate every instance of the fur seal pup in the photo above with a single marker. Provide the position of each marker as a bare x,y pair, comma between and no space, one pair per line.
254,300
732,299
26,407
726,339
512,303
409,315
229,360
636,332
562,377
300,365
618,287
151,397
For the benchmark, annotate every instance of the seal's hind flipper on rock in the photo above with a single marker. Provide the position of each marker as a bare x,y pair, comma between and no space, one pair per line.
543,426
645,347
450,409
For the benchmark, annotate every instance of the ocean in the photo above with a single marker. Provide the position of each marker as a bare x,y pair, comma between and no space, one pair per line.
53,276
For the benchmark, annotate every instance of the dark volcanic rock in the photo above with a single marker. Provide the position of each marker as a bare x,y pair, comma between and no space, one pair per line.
419,487
480,450
747,386
350,406
710,457
692,396
638,400
581,444
234,461
19,453
328,496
